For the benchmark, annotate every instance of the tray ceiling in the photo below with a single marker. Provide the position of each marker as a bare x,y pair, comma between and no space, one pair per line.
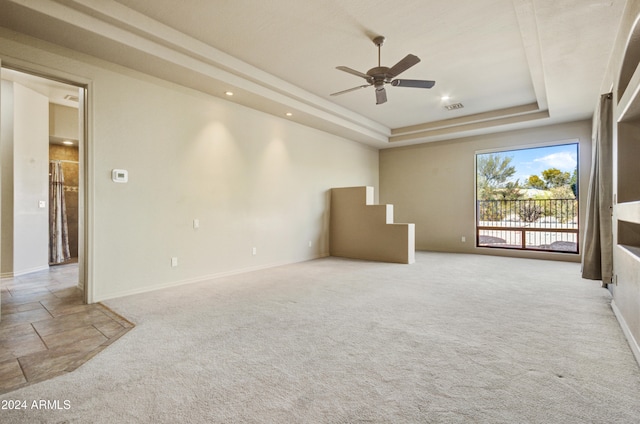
510,63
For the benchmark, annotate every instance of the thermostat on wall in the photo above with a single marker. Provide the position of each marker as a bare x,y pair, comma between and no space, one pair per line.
120,175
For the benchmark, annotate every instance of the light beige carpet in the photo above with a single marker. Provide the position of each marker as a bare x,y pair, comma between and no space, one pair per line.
449,339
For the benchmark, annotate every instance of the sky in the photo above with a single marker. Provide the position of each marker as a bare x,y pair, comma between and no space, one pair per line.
533,161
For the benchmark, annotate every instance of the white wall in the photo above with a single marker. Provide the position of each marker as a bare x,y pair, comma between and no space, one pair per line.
30,180
433,185
252,180
25,158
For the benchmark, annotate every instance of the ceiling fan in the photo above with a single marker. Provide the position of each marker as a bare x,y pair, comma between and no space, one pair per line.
381,75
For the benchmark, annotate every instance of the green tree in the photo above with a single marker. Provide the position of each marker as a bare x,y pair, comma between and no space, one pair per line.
510,191
493,173
535,182
574,182
553,177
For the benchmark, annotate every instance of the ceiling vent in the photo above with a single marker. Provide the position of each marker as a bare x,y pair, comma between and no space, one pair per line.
454,106
71,98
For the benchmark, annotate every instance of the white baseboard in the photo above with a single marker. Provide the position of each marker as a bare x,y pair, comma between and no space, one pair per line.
633,343
30,270
198,279
13,274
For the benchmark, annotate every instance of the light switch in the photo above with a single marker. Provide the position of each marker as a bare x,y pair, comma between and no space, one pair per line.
119,175
42,204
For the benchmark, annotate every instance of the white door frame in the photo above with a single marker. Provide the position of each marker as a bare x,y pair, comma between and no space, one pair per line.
85,198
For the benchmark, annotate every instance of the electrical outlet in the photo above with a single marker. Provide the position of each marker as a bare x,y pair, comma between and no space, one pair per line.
174,261
196,224
309,243
254,251
463,239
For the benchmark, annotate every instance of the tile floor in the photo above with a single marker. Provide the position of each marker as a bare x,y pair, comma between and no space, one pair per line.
46,330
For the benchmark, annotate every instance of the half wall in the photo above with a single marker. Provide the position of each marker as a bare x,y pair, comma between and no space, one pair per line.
361,230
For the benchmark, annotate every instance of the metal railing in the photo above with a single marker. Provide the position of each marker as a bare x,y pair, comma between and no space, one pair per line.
547,224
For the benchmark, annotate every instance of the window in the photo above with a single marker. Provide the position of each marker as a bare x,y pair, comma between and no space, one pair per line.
528,199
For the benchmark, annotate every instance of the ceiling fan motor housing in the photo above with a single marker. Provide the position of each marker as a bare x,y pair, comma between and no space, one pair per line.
378,76
378,41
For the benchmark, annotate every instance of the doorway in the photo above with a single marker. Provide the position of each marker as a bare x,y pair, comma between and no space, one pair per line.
39,229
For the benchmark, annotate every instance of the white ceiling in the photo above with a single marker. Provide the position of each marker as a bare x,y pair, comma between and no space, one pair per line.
511,63
56,92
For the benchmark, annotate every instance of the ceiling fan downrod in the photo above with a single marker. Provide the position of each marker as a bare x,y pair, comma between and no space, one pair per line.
379,41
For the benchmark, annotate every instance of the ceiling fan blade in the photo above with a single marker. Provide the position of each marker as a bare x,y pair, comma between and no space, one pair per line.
406,63
413,83
353,72
350,89
381,95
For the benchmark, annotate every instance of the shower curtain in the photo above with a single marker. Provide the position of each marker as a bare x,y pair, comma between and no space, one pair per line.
58,233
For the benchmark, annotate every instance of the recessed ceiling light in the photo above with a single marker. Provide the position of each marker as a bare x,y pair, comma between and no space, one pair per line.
289,114
228,93
445,98
68,143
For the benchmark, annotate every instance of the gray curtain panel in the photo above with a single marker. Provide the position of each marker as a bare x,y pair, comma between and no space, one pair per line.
597,247
58,234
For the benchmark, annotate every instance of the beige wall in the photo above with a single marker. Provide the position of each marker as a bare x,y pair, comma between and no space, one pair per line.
63,122
251,179
433,185
629,16
6,169
361,229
